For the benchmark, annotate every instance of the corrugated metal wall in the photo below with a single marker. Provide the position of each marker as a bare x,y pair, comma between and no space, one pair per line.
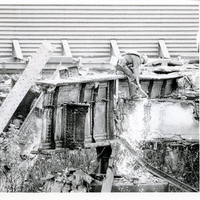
88,28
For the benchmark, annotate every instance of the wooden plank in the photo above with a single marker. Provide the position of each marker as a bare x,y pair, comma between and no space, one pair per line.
108,181
16,50
114,50
24,83
59,59
105,77
162,49
66,49
29,119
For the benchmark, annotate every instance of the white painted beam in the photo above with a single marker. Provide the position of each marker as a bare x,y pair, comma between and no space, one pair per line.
24,83
16,50
162,49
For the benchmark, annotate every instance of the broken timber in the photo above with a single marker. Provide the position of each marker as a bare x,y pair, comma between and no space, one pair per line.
66,49
114,52
166,62
16,50
24,83
162,49
107,183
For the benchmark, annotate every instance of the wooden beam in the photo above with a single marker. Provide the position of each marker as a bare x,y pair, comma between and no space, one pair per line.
162,49
24,83
166,62
60,59
100,144
108,181
16,50
66,49
114,50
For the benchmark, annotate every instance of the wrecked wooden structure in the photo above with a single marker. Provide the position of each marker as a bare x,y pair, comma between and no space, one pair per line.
80,111
82,108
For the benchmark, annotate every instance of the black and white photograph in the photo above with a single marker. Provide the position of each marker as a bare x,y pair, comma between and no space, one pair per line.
99,97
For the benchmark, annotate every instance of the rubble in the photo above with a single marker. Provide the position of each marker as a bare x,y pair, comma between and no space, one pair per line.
129,172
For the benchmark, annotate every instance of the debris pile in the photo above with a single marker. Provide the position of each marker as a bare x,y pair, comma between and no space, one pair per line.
71,180
75,171
6,84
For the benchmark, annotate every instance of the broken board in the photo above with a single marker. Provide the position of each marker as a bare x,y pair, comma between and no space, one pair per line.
108,181
162,49
24,83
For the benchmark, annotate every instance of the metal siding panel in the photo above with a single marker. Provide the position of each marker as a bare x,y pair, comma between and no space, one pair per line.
89,28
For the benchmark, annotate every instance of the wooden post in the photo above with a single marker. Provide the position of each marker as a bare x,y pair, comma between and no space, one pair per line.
108,181
16,50
47,118
162,49
66,49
